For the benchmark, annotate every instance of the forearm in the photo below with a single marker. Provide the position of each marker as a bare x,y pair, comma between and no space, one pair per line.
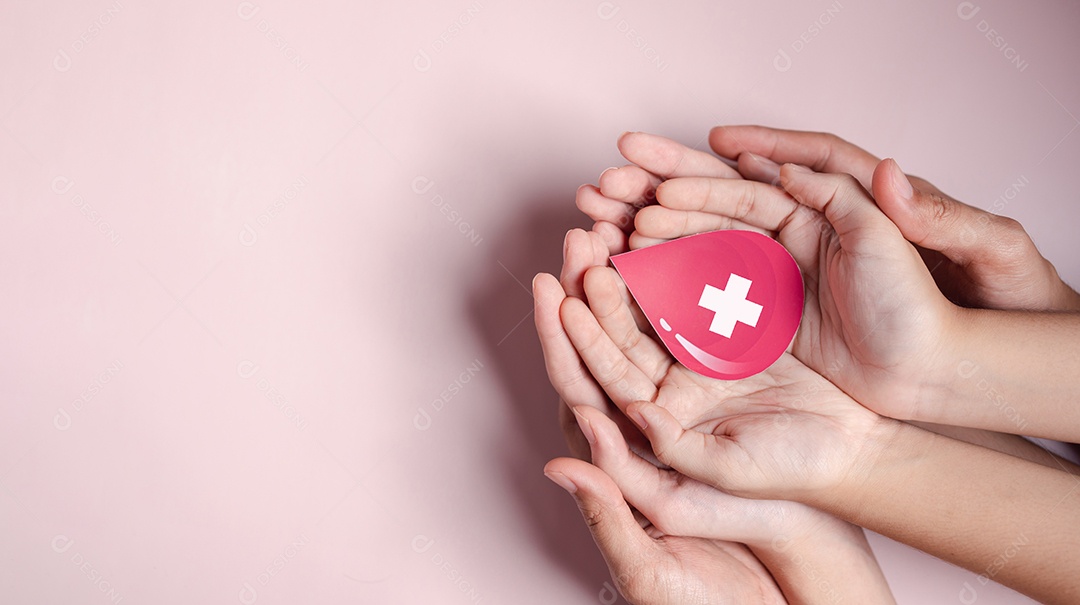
1013,445
829,561
1013,372
1012,520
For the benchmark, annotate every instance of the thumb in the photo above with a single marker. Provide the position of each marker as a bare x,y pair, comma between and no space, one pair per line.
695,454
847,207
931,219
617,534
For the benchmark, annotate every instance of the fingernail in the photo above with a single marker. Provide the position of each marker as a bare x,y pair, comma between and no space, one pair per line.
585,426
771,168
566,244
900,182
562,481
799,168
635,414
605,172
764,161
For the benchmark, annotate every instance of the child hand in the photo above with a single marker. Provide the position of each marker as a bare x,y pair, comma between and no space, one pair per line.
777,434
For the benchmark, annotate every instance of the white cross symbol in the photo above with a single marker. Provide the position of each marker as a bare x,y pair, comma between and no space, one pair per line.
730,305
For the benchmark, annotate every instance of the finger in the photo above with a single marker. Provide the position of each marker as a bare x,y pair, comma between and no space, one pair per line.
638,240
664,223
639,318
822,152
935,221
630,435
754,203
621,380
695,454
598,207
621,192
576,441
581,250
624,545
631,184
569,375
759,168
608,300
565,369
616,240
850,210
647,488
667,159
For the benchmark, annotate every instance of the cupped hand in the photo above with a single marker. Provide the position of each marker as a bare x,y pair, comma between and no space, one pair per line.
622,192
652,567
678,505
779,434
978,259
566,372
874,322
813,556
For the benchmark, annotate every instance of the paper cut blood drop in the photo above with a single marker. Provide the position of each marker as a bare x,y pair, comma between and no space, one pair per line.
726,304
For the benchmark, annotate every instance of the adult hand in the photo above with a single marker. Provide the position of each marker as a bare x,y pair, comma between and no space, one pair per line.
978,259
813,556
787,433
649,566
565,370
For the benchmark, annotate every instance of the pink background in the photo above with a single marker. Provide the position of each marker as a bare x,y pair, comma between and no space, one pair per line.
266,332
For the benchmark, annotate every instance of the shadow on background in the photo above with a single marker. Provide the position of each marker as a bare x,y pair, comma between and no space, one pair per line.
501,309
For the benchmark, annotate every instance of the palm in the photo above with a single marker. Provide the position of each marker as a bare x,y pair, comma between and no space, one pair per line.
872,311
866,324
653,566
791,426
707,571
678,505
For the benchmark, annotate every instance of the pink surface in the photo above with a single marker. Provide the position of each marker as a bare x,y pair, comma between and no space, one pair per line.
266,333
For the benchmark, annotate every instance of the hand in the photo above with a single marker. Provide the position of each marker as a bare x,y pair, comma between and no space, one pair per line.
800,546
994,399
814,557
622,192
788,433
978,259
567,373
649,566
783,433
874,323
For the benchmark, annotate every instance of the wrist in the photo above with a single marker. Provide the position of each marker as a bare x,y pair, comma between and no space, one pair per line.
1008,371
956,364
887,445
794,527
823,559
